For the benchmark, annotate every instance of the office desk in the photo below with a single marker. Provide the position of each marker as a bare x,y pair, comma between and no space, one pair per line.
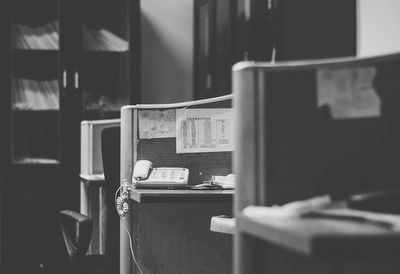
171,232
318,246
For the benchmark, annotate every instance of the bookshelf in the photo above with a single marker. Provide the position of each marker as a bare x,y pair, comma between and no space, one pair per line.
58,63
64,62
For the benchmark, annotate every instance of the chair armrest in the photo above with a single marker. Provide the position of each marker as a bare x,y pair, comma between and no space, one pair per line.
76,249
77,217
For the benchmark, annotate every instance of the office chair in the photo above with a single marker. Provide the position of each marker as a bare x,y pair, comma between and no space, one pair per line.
69,220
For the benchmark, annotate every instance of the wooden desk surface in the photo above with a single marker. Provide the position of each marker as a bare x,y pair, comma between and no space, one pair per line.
323,237
184,195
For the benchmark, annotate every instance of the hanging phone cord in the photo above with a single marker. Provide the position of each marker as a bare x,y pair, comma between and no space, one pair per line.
122,206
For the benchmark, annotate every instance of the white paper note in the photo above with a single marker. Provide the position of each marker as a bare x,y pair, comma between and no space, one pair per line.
204,130
157,124
348,92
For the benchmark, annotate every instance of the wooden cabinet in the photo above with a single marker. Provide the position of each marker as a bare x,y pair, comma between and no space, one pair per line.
213,47
64,61
294,30
227,32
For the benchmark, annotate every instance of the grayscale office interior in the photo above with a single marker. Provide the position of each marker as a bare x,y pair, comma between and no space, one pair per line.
200,136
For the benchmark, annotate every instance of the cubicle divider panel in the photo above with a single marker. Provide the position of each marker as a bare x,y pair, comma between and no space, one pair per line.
92,192
344,145
162,152
325,127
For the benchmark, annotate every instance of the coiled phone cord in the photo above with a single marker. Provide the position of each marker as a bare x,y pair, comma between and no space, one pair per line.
122,209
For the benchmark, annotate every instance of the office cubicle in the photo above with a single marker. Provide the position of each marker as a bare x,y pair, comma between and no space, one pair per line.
307,129
92,194
170,228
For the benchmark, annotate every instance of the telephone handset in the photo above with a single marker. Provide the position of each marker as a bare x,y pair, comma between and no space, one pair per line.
145,176
141,170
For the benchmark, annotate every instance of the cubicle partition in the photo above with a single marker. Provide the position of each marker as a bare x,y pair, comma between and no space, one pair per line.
307,129
92,194
170,228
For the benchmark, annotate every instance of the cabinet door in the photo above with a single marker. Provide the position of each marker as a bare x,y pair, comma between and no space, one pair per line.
33,124
34,81
294,30
213,43
4,72
108,78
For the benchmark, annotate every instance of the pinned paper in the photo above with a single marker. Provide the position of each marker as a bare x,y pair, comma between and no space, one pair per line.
348,92
157,124
204,130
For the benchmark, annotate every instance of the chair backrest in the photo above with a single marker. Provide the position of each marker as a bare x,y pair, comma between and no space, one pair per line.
110,149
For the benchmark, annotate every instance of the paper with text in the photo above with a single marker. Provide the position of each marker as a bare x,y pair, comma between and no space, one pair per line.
204,130
157,124
348,92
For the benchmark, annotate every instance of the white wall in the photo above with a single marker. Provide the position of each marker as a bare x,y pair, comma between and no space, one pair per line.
167,51
378,27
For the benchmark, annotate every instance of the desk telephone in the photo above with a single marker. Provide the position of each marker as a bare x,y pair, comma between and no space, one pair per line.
145,176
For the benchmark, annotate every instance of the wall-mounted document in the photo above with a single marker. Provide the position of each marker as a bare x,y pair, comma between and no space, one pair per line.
156,124
204,130
349,92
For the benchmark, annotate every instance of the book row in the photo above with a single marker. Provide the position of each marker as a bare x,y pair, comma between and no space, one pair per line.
103,40
35,95
47,38
44,37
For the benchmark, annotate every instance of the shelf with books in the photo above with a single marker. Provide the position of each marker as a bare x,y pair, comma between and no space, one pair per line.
100,106
102,40
109,18
44,37
35,95
38,161
95,102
